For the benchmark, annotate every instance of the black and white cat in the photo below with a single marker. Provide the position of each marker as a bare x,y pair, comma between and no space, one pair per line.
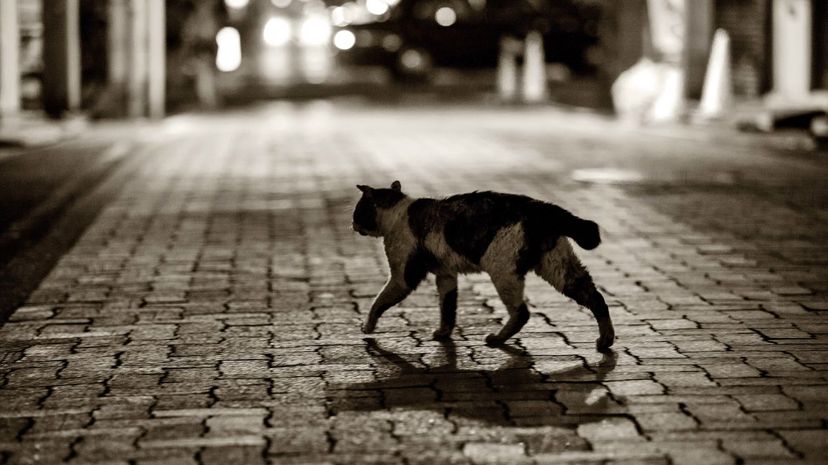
504,235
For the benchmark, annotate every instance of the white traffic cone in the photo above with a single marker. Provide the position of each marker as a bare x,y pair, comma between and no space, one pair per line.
717,93
534,69
507,70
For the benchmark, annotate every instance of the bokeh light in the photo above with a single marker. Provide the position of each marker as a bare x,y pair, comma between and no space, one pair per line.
236,4
315,30
344,40
391,42
413,60
340,16
277,31
376,7
228,55
445,16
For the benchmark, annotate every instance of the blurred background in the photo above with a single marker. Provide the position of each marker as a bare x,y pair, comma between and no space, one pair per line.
758,63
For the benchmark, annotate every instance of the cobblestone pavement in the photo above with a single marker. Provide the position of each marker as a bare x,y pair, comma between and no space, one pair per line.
211,312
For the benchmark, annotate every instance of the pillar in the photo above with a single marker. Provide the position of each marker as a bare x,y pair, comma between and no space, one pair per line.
138,62
507,74
117,44
157,58
792,23
9,60
668,32
534,69
61,57
699,26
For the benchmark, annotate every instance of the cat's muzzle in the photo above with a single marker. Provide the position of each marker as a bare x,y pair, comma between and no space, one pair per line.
358,229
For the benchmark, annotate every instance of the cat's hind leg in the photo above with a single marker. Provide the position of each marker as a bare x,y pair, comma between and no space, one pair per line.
561,268
393,293
447,289
509,287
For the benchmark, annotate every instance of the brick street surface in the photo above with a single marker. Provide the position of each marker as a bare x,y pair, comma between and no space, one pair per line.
211,313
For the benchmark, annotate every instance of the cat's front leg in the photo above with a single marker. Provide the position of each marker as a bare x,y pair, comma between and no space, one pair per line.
393,293
447,288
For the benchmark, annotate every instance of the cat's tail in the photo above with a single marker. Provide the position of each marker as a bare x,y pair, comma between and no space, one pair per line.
584,232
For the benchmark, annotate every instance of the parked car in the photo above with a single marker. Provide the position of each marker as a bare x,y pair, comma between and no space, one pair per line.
418,35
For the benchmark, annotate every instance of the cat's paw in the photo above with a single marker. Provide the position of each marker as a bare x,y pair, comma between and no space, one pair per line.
368,328
492,340
441,334
603,343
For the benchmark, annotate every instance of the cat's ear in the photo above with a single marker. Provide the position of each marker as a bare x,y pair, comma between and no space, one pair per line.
396,186
365,189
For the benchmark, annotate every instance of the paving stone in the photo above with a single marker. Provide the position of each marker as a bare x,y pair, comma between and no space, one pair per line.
223,441
764,449
494,453
609,429
636,387
809,442
665,421
765,402
236,454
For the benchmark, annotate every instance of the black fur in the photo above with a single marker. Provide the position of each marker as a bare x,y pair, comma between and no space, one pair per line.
448,309
471,221
417,267
422,216
365,213
582,290
522,315
387,198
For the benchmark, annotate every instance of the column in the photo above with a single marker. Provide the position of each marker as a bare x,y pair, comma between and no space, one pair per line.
9,60
61,57
137,77
792,22
117,44
699,24
157,58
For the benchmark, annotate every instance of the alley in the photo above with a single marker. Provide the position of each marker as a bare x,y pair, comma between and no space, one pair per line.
211,311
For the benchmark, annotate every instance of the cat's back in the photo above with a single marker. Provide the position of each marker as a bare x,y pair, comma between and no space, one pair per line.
469,209
469,222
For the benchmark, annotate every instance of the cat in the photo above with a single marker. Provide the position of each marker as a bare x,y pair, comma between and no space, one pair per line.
504,235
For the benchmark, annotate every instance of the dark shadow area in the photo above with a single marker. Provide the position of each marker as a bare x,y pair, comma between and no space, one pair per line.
50,196
516,393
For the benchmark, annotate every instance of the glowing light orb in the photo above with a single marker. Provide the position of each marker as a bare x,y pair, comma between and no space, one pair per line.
445,16
315,30
228,56
236,4
376,7
344,40
340,16
277,31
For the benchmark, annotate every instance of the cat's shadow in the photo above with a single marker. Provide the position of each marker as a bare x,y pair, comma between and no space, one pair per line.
518,392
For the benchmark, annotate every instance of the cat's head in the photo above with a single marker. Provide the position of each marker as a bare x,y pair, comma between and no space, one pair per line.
373,201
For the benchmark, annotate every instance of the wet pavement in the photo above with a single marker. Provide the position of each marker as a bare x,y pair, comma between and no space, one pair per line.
210,311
